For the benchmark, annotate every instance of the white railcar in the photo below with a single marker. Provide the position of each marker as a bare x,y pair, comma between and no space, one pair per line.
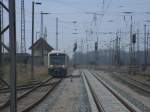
57,63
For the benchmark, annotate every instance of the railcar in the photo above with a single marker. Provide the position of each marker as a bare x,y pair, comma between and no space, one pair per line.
57,63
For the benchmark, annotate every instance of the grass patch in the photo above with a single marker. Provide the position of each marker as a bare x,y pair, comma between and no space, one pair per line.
24,75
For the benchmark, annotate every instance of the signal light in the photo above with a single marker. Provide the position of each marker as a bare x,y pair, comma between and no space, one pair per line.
96,46
75,47
134,38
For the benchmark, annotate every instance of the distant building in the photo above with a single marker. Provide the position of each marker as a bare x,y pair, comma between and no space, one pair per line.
41,49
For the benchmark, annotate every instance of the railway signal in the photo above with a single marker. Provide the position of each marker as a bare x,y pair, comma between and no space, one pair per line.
75,47
134,38
96,46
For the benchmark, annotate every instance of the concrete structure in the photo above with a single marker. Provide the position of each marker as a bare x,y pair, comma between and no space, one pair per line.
41,49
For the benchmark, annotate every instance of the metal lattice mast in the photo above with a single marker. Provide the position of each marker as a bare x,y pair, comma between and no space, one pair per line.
11,49
23,40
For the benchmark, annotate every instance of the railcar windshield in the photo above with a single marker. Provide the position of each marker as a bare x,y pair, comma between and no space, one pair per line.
57,59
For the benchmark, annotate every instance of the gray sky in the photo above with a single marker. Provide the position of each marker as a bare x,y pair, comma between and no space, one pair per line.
76,10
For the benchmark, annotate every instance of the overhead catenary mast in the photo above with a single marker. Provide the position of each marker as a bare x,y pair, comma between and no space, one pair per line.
130,45
41,24
45,34
145,46
23,40
57,33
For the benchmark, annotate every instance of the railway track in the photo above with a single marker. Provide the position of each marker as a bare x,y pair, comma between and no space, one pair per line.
143,87
34,96
106,99
20,87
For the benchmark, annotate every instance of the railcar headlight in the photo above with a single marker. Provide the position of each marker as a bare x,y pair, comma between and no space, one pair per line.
50,66
63,66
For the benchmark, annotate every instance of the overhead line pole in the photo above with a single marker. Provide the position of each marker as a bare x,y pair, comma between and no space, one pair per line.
12,41
110,57
148,46
145,47
130,49
32,52
41,24
57,33
0,40
2,25
23,40
32,49
138,48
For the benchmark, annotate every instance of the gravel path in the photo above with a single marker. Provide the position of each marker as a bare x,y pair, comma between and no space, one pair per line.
69,96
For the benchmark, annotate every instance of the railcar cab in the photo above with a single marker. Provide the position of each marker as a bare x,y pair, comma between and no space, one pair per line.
57,63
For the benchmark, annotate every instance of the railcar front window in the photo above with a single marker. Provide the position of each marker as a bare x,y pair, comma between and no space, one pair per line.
57,60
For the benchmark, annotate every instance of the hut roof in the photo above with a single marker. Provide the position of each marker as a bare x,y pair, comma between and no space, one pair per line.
41,44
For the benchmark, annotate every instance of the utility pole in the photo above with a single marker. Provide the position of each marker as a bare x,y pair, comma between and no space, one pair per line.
41,24
57,33
113,56
82,52
138,48
82,46
12,50
110,55
45,34
148,33
1,41
87,47
119,40
97,38
12,39
117,50
32,52
2,24
130,46
145,47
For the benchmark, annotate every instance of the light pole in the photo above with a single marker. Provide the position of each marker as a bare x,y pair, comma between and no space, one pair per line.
32,52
